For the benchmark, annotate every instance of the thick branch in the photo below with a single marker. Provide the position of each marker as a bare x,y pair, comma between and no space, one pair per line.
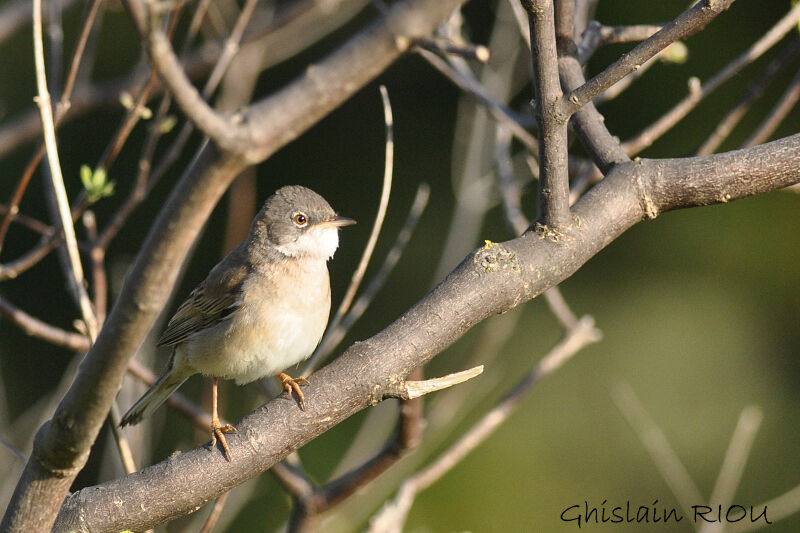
488,281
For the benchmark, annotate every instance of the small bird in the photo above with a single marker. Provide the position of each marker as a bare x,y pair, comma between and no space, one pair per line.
261,309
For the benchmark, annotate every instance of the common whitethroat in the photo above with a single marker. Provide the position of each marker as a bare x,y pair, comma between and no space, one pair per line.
261,309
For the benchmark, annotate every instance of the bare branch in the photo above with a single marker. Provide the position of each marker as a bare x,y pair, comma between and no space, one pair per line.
688,23
485,283
16,14
222,129
468,51
655,442
213,516
76,277
291,30
736,456
35,327
46,245
597,35
780,507
589,124
752,93
392,517
386,268
777,114
408,390
471,86
553,158
698,92
326,346
311,503
31,223
61,110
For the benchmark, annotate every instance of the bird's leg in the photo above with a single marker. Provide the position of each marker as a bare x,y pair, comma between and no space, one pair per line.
293,384
218,430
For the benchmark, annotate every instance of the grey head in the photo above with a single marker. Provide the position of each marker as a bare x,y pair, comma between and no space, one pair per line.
297,222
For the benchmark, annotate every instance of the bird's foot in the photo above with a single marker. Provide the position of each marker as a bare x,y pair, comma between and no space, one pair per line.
291,384
218,432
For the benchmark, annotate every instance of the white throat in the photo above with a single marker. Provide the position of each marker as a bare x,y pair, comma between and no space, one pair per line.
319,242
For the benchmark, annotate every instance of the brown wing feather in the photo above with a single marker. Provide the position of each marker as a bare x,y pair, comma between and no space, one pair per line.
214,300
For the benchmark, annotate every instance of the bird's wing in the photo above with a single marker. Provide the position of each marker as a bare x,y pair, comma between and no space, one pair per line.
214,300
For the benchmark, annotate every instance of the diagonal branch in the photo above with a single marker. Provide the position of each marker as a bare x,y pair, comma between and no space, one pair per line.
688,23
487,282
698,92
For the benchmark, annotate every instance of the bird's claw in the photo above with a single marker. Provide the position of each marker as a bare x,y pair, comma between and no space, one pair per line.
291,384
218,432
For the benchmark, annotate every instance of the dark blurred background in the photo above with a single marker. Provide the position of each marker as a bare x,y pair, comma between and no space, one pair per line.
699,308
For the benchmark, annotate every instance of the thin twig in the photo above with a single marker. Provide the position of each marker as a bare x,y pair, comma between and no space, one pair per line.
689,22
782,107
623,84
141,184
69,84
730,475
655,442
231,47
48,127
293,480
31,223
780,507
99,276
468,51
228,134
309,505
123,446
393,515
137,107
326,346
698,92
61,109
597,34
467,83
215,513
19,192
752,93
227,54
338,333
16,267
37,328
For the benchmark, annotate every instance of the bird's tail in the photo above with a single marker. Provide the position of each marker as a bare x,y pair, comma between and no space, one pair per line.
157,394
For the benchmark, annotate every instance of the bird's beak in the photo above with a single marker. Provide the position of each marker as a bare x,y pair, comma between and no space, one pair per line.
338,222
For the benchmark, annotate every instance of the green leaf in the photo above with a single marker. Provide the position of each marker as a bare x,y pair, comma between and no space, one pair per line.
96,183
167,124
86,176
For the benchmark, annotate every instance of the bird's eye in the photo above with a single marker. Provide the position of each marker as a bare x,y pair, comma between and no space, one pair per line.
300,219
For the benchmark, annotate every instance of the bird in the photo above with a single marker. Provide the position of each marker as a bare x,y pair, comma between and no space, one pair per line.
260,310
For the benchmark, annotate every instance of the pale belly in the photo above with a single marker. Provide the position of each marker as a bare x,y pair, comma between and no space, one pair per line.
261,339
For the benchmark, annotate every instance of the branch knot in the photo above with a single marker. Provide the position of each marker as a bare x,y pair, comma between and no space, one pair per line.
494,257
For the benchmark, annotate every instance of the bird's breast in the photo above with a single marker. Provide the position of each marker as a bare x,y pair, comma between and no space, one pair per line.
281,320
